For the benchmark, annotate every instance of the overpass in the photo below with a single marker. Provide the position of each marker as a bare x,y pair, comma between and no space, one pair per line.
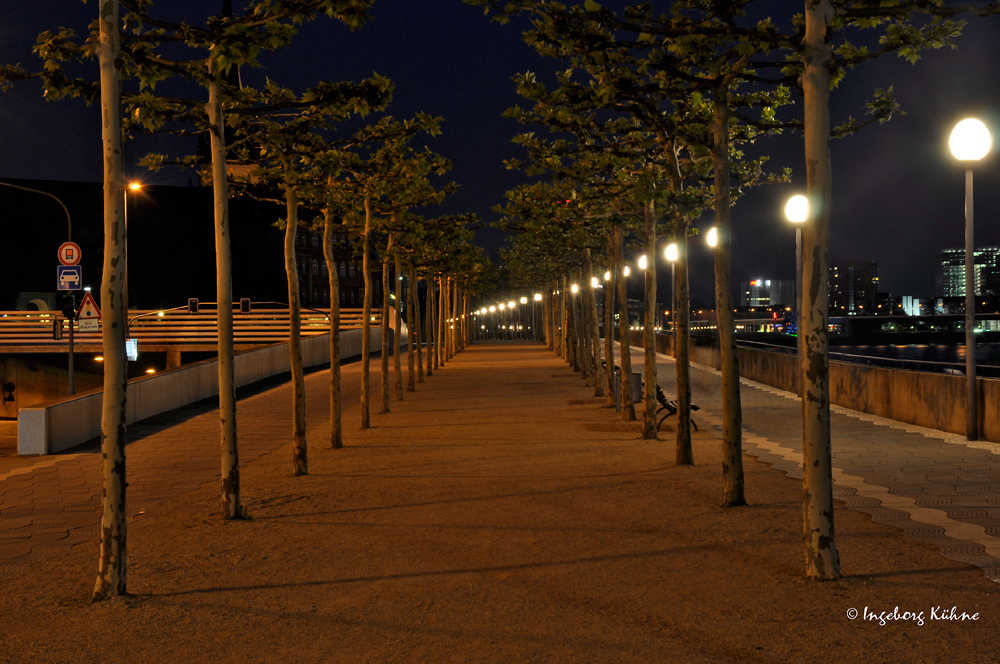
170,331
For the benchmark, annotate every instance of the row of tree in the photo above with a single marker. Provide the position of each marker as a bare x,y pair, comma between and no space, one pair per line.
273,144
651,116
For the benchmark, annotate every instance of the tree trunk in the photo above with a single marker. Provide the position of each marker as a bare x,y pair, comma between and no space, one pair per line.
431,337
442,305
386,333
112,568
555,312
396,362
547,313
594,334
453,286
732,415
300,465
230,460
822,559
336,425
366,325
649,329
564,335
416,373
609,328
682,351
624,348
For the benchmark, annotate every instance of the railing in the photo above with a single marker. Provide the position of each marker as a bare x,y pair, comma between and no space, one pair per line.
33,331
930,366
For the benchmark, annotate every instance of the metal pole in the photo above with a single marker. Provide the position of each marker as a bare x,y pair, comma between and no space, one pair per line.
798,290
972,405
69,238
673,305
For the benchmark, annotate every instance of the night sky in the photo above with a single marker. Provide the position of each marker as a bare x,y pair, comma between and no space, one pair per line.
898,194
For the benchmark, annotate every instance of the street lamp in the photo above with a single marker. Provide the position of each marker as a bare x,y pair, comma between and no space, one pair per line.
712,237
671,255
796,211
642,262
132,186
970,141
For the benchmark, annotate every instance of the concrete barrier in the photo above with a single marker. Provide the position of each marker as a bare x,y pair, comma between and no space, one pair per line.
931,400
58,425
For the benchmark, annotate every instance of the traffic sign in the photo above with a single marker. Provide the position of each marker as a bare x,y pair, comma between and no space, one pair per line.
69,277
69,253
88,315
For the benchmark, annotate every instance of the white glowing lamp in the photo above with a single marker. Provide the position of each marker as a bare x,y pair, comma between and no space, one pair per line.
970,140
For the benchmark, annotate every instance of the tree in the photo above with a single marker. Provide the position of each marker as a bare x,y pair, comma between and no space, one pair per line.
112,574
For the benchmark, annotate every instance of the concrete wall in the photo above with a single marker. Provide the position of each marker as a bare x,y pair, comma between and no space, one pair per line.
37,383
935,401
58,425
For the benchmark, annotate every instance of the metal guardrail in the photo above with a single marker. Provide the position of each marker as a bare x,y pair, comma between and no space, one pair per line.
34,329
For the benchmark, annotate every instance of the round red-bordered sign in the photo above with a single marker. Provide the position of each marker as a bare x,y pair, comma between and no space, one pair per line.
69,253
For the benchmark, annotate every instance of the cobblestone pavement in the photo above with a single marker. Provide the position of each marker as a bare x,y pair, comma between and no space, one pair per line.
937,487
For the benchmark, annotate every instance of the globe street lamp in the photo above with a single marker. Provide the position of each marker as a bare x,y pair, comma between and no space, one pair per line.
712,237
796,211
970,141
671,255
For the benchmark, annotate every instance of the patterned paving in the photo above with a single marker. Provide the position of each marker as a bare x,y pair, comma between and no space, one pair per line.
937,487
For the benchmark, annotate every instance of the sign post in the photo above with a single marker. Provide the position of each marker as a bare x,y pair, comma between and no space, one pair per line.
69,276
88,315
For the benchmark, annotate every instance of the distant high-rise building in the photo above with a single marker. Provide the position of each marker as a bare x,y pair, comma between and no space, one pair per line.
853,285
950,278
767,293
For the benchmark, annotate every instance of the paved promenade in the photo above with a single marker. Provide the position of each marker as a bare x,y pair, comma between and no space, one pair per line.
938,487
501,513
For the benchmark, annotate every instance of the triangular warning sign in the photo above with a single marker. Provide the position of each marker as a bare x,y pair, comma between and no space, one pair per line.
88,307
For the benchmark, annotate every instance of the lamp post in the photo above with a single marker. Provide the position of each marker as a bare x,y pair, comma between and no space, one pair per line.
132,186
671,255
534,310
797,210
970,141
69,238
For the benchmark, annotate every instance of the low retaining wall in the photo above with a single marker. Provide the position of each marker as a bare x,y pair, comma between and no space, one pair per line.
935,401
58,425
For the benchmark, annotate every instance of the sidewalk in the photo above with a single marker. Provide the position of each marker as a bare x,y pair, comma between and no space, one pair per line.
499,514
938,487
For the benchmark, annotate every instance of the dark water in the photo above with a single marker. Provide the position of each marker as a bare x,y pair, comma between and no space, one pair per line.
937,358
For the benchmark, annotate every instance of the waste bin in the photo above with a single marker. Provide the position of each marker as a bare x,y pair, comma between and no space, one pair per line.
636,387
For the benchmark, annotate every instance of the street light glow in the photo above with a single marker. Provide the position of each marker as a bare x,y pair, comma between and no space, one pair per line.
574,288
134,186
492,309
501,307
607,275
627,271
642,262
524,300
970,140
713,237
797,208
510,304
538,297
594,283
671,252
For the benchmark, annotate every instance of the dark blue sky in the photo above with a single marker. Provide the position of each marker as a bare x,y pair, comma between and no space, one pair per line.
898,193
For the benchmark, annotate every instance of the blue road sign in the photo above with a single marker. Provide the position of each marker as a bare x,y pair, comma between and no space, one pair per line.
69,277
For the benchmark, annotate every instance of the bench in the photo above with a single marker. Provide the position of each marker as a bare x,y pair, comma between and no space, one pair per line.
670,407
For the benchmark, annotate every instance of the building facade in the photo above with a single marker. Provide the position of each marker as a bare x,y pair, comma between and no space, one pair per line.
853,288
950,277
767,293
